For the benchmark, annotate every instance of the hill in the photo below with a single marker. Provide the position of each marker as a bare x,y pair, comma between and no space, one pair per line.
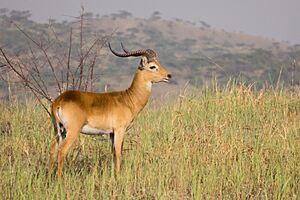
192,52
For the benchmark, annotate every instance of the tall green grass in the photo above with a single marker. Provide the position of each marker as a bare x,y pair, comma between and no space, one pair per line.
226,143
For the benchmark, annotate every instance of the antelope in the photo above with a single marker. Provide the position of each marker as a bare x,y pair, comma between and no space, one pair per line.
75,112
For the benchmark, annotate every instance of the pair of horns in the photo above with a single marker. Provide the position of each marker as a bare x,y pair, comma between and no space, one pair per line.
149,53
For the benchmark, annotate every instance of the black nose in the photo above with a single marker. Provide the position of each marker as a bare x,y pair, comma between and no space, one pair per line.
169,76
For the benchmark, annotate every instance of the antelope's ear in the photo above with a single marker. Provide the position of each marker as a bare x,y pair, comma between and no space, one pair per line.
143,62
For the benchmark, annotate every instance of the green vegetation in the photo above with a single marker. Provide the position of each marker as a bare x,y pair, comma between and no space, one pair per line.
223,143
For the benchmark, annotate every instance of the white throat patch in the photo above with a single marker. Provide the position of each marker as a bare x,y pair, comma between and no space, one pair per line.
149,85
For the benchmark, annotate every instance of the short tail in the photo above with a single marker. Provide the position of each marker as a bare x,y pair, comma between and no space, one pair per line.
59,129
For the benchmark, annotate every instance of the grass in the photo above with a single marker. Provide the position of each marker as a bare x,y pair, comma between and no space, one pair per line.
227,143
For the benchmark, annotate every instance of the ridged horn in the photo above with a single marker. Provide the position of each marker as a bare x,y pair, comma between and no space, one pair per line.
124,49
149,53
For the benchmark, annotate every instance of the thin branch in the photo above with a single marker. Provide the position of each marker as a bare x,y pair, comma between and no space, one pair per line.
36,69
81,48
21,30
52,69
50,54
69,56
91,68
45,54
213,62
40,101
55,35
26,82
81,63
38,87
90,72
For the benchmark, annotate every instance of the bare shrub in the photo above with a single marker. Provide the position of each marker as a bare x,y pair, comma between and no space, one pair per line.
53,64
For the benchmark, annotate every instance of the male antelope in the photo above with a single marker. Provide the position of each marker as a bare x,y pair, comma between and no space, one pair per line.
104,113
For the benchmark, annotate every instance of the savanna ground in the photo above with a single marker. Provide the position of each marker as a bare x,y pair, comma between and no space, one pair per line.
223,143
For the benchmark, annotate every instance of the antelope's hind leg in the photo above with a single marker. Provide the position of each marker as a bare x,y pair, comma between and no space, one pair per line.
52,155
54,146
72,135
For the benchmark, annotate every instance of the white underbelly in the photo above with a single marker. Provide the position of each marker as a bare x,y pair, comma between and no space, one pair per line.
86,129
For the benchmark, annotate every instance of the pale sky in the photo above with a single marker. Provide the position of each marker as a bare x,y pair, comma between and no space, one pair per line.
278,19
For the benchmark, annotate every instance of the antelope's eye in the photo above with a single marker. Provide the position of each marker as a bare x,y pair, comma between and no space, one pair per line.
153,67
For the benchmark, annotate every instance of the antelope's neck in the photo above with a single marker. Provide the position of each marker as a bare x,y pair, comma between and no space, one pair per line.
138,93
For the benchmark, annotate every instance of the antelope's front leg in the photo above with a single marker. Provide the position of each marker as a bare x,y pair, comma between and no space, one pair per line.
118,145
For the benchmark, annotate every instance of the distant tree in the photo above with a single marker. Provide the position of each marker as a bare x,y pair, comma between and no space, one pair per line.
3,11
88,15
65,22
204,24
156,15
124,13
51,21
20,15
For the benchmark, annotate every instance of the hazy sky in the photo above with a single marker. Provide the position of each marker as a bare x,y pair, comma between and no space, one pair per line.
277,19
